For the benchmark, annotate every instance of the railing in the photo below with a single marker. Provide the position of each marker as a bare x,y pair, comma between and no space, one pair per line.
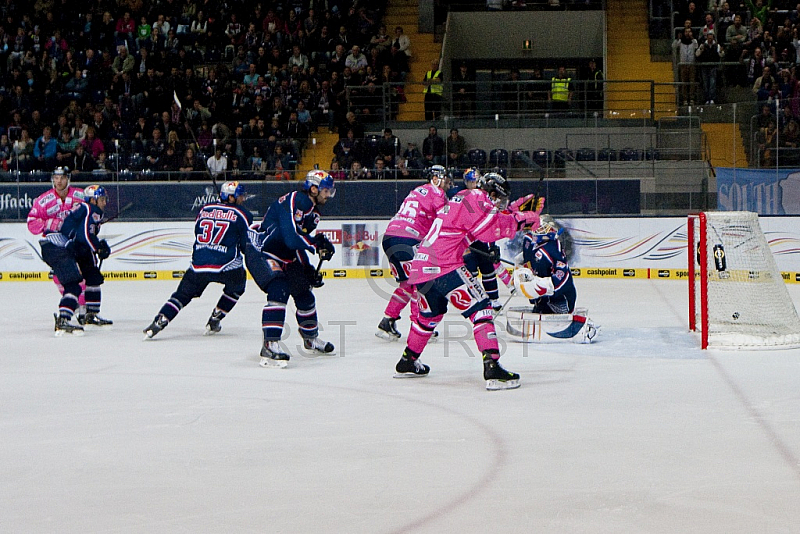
522,103
530,5
129,160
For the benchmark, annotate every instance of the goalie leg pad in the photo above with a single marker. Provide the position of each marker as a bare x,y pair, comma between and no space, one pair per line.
529,326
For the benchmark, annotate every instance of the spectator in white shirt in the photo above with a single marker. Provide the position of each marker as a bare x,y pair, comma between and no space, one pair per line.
217,165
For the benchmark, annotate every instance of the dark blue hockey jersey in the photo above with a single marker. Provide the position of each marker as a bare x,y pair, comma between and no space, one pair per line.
220,236
285,232
81,228
544,256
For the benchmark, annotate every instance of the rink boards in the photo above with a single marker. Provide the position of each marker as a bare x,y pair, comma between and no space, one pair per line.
634,248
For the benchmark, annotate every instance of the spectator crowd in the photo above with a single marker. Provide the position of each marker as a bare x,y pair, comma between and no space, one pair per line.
190,85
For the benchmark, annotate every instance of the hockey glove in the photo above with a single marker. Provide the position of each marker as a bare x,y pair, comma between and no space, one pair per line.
526,219
523,204
324,247
103,250
537,287
494,253
313,276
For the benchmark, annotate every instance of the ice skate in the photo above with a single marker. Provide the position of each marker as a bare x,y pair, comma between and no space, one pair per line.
496,377
496,305
64,326
387,329
213,325
409,366
92,319
273,356
81,315
315,344
158,324
434,337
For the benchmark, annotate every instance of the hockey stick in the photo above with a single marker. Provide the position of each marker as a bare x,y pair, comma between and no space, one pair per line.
119,212
499,312
197,144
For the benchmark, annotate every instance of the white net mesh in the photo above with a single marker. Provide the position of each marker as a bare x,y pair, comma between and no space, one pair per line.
748,304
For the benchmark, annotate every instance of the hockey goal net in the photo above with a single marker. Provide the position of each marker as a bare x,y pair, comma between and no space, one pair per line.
737,296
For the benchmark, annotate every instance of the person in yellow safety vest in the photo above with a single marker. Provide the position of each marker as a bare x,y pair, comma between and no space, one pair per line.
561,90
433,91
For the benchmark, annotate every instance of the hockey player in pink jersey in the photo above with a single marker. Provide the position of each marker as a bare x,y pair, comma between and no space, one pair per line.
403,235
439,274
49,211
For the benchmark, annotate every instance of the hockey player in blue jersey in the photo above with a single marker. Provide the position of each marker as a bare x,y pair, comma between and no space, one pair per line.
74,253
220,232
545,278
277,260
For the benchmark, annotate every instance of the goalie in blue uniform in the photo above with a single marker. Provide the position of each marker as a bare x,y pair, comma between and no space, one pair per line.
220,237
547,282
278,262
544,277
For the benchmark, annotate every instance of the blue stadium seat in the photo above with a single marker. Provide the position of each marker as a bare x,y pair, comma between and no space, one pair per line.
651,154
562,156
543,157
477,157
607,154
586,154
498,158
629,154
518,157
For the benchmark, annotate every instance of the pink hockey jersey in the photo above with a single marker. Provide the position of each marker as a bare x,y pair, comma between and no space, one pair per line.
469,216
417,212
49,211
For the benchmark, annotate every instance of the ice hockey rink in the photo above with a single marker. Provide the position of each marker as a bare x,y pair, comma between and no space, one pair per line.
640,432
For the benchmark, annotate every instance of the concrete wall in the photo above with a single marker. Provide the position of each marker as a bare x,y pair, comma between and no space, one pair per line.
555,34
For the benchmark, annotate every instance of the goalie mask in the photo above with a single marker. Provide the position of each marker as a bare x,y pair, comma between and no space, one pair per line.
547,226
548,230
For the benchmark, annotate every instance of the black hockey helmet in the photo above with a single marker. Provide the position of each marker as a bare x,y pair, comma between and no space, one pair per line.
492,182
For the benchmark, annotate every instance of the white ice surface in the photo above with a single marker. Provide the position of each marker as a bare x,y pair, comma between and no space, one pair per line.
641,432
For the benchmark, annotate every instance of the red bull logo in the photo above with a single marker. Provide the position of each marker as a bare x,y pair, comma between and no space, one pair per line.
360,246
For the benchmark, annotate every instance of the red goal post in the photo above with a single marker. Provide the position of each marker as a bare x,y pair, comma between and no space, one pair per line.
737,296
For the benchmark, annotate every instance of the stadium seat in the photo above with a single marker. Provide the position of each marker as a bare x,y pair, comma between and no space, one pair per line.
498,158
629,154
607,154
477,157
586,154
543,157
651,154
562,156
519,157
